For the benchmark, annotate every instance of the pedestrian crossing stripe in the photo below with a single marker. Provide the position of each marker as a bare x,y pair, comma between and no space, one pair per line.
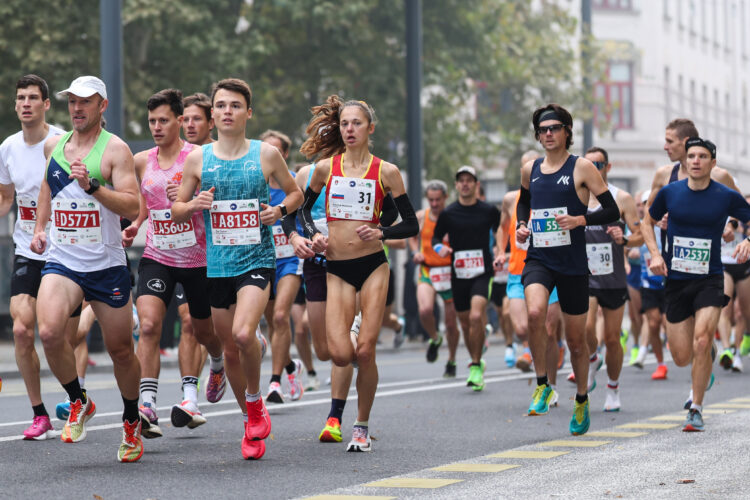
528,454
617,434
646,425
475,467
740,400
575,443
349,497
730,405
715,411
412,482
674,418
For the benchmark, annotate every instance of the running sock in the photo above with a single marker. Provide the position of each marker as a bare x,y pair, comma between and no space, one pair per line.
252,398
244,417
81,381
337,408
291,367
359,423
73,388
542,380
130,410
190,388
216,364
40,410
581,399
311,373
276,378
475,364
613,384
694,406
149,387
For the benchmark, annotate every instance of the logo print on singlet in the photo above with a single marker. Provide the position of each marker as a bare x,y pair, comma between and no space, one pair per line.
565,179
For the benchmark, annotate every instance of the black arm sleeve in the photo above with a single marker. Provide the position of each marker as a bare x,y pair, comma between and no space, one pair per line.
289,223
306,212
408,227
523,209
389,213
609,212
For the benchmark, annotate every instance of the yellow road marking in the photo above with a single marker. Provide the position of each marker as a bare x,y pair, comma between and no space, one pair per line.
646,425
673,418
412,482
349,497
475,467
740,400
715,411
616,434
528,454
575,443
730,405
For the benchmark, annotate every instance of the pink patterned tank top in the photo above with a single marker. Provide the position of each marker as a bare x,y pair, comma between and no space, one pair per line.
171,244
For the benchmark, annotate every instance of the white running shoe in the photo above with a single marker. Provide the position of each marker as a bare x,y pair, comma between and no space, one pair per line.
554,399
641,358
313,384
737,363
594,367
613,400
187,414
295,381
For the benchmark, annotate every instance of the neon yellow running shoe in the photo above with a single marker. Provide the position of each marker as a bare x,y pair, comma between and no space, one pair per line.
624,334
745,345
476,377
331,433
540,401
80,413
580,421
633,355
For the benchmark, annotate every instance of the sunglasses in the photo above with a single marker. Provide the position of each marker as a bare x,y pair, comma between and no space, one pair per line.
551,128
600,164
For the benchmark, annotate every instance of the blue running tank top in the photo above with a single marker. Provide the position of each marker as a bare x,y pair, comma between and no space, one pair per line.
553,194
319,208
231,249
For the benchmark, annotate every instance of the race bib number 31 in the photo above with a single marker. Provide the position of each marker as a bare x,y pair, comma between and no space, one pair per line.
77,222
546,232
235,222
691,255
468,263
599,256
351,198
168,235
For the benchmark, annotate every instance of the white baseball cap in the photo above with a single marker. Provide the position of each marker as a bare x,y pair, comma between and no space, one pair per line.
85,86
467,170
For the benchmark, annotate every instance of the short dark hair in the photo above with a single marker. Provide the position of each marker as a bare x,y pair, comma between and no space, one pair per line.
198,99
597,149
286,142
233,85
683,127
170,97
29,80
562,115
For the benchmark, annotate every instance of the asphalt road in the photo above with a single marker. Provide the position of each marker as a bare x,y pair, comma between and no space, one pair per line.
420,421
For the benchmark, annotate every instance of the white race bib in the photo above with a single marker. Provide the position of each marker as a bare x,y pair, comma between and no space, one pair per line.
599,256
235,222
27,214
468,263
169,235
647,261
77,222
351,198
502,276
441,278
283,247
691,255
545,229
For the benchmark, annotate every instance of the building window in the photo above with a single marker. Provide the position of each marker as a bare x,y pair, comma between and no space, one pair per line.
614,98
613,4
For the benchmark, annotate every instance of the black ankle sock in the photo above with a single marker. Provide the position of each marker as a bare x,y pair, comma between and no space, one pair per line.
73,388
476,364
291,367
130,410
542,380
312,373
40,410
337,408
275,378
581,399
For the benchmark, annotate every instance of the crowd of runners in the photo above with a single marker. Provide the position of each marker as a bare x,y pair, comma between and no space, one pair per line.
232,235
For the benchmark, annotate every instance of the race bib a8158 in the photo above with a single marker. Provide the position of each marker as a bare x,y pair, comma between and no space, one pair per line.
235,222
77,222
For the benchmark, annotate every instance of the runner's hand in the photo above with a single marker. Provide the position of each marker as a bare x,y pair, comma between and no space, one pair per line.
418,258
616,234
79,172
319,243
268,214
368,233
128,235
499,262
663,222
657,265
39,243
568,222
204,200
742,252
172,189
301,246
522,234
728,234
445,251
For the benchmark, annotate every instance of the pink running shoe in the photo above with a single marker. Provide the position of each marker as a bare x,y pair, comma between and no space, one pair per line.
295,381
38,429
258,421
217,385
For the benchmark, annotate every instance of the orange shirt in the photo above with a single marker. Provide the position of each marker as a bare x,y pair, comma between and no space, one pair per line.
431,258
517,255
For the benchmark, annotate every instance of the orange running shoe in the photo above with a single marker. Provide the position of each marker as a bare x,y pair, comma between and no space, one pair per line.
523,362
660,373
131,448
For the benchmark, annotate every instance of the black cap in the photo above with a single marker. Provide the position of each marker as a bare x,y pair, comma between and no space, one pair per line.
704,143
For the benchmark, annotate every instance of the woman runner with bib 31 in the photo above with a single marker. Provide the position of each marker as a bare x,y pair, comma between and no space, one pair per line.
356,183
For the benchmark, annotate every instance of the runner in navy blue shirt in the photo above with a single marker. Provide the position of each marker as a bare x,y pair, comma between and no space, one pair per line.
698,208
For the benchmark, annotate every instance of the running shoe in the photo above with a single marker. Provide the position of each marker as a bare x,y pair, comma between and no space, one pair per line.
62,410
640,359
488,331
689,401
253,449
554,399
295,381
624,334
149,422
540,400
594,366
510,356
580,421
561,356
38,429
571,377
398,337
313,384
433,347
633,355
476,377
258,421
523,362
331,433
356,324
726,358
693,422
737,364
187,413
450,370
131,448
263,342
660,373
274,393
80,413
217,385
360,440
612,402
745,345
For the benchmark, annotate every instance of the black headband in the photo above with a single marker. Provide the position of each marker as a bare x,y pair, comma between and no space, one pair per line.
704,143
550,114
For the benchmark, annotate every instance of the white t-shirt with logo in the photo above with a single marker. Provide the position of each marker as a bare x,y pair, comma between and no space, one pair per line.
23,166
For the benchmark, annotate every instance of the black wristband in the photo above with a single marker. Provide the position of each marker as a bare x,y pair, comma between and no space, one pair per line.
735,223
518,224
624,241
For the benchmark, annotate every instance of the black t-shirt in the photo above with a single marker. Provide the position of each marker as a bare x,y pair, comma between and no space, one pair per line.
468,229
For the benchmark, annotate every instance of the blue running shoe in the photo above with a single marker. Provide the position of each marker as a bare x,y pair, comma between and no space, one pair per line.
580,421
540,400
510,356
710,382
693,422
62,410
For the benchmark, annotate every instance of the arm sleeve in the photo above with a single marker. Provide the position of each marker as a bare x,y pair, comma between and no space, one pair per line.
609,212
289,223
306,212
389,213
523,209
659,207
409,226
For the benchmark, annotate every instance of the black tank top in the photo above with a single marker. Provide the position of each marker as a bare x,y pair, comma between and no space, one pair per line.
673,177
